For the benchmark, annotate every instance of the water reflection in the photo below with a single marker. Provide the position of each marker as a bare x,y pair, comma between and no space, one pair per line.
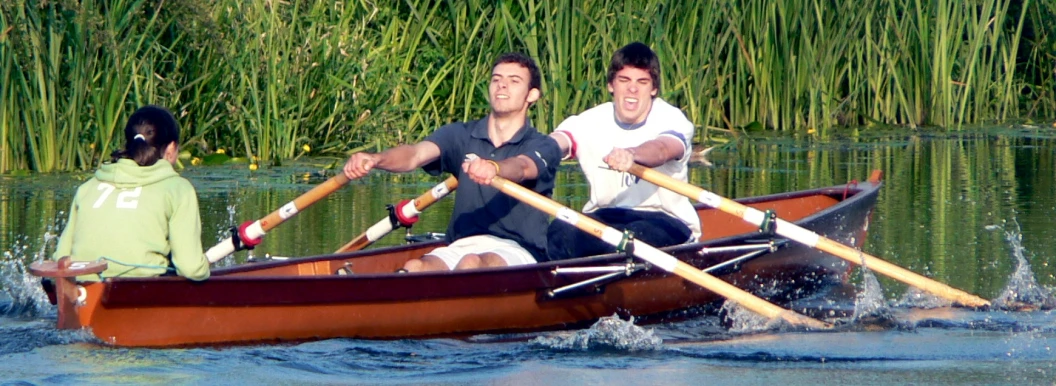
972,210
932,217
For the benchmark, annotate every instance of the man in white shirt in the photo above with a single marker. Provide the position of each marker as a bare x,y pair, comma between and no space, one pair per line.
636,127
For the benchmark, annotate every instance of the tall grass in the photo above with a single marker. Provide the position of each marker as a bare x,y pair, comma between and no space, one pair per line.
10,140
69,72
273,80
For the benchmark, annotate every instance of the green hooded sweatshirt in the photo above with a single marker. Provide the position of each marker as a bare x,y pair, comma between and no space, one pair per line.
139,216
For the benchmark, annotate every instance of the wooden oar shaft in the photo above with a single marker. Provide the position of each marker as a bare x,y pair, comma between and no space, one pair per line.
383,227
273,219
810,239
359,242
655,256
303,201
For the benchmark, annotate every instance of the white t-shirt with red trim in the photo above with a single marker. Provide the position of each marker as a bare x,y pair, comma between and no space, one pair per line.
595,132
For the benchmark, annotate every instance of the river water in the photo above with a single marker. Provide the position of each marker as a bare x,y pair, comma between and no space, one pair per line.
974,210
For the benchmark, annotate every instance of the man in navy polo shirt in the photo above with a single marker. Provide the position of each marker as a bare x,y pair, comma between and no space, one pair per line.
487,228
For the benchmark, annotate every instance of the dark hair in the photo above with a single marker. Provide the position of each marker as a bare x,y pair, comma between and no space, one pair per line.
148,132
637,55
526,62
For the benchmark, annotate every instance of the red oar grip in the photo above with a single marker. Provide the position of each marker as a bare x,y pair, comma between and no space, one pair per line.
248,241
404,219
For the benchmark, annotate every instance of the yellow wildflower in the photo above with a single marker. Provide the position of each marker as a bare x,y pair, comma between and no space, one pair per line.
220,151
306,148
253,166
196,161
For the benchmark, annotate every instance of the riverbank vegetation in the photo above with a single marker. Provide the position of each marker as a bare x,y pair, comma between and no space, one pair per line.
274,80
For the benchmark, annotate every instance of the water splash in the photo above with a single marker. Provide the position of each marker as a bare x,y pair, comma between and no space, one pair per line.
609,333
1023,293
28,299
741,320
870,300
916,298
871,310
223,233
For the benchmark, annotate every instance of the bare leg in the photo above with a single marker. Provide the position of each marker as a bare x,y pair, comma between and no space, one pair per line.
426,263
483,260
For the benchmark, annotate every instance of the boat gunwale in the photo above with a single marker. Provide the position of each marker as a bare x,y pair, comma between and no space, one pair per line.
224,288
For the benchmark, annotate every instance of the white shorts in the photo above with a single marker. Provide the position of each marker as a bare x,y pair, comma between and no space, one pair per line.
509,250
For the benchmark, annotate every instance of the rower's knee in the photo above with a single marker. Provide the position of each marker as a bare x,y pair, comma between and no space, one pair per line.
426,263
483,260
492,260
413,265
470,261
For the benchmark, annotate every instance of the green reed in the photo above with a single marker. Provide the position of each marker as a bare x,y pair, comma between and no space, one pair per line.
70,78
270,81
10,137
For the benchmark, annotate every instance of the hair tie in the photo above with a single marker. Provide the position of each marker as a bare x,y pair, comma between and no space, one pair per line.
140,137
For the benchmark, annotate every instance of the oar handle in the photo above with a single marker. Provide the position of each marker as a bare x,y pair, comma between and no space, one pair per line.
654,256
257,229
407,209
808,238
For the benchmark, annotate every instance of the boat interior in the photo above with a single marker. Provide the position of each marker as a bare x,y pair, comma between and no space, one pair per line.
717,225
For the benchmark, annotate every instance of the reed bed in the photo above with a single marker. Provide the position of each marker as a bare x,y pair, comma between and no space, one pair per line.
269,81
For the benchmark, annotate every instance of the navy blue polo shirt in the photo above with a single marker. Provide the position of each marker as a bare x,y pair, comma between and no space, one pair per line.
483,210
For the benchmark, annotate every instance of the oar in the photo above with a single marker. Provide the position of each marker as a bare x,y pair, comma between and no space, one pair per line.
251,233
655,256
808,238
404,214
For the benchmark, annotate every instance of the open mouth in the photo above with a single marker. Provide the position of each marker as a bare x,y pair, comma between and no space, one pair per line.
630,103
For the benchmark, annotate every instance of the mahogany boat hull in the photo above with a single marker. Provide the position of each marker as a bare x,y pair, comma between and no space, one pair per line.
308,298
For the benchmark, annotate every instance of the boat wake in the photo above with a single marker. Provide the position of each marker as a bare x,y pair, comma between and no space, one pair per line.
26,337
607,334
409,360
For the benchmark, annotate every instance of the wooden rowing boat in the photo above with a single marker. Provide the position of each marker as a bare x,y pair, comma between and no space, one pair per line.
358,295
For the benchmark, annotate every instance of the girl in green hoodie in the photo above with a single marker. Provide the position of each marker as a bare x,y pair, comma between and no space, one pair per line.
137,213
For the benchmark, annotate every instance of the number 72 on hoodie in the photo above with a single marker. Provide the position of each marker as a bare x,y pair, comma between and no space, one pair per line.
126,199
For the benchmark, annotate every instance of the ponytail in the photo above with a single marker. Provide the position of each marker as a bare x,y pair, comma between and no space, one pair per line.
149,131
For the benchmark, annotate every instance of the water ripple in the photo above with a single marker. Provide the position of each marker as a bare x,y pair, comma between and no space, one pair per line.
35,334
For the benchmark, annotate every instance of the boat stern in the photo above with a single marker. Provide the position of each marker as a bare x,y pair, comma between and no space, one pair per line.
74,300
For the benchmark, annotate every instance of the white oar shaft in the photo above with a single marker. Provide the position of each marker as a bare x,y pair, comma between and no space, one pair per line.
409,210
655,256
808,238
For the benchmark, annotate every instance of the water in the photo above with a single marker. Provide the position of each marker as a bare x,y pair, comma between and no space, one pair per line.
973,210
1000,348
